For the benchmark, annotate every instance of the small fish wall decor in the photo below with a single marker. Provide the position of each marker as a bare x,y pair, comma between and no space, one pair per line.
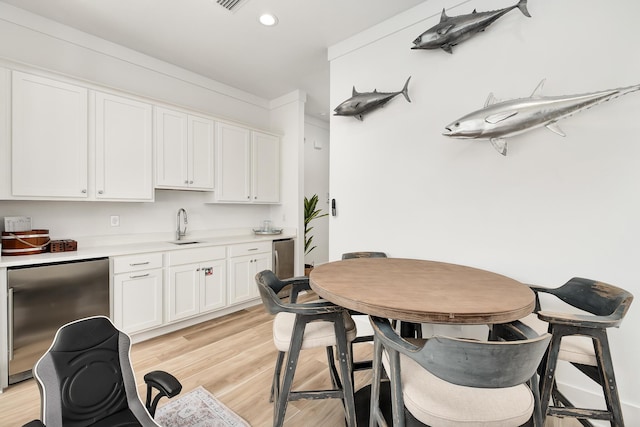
362,103
453,30
499,120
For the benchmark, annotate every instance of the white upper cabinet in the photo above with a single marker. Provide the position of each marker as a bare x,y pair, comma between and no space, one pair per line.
49,138
184,150
71,143
124,149
234,163
248,168
265,167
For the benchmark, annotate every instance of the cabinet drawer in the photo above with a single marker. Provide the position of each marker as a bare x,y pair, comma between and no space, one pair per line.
130,263
190,256
249,248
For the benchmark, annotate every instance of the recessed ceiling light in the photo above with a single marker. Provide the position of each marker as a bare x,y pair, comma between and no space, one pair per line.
268,20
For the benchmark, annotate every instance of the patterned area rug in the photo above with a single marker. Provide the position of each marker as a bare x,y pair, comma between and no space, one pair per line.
198,408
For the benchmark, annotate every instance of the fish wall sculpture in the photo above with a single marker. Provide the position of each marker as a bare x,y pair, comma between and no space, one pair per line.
453,30
362,103
499,120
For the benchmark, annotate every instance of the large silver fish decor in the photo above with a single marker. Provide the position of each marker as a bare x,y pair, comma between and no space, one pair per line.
499,120
455,29
361,103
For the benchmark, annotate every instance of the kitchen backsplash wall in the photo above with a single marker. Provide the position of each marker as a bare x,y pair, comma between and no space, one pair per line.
87,219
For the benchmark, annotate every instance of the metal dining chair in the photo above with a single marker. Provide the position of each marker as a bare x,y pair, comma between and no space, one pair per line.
581,339
298,327
456,381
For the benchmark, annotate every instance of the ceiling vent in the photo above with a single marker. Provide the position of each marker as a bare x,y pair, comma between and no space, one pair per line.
231,5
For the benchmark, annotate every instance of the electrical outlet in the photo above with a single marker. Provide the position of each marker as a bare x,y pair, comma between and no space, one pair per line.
115,221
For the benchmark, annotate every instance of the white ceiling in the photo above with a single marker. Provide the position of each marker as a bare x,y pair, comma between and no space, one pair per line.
231,47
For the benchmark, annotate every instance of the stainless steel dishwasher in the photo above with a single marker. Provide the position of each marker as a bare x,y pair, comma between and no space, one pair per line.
46,296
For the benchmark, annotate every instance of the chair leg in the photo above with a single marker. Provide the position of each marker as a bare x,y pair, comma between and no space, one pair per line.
275,384
281,403
548,376
344,359
608,378
375,413
397,400
333,371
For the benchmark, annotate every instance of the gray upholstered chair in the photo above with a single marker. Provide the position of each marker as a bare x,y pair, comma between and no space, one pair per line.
296,327
580,338
86,379
352,255
457,381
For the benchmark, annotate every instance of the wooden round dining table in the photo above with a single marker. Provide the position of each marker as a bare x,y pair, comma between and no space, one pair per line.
422,291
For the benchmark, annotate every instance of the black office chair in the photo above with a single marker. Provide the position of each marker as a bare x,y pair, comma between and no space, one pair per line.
86,379
296,327
581,339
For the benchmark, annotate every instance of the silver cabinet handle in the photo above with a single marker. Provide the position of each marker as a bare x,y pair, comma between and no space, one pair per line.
139,263
139,276
100,192
84,191
252,249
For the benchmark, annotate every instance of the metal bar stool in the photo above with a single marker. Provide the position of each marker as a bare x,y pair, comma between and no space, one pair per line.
604,306
301,326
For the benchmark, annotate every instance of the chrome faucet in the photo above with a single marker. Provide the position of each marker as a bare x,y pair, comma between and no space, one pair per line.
181,233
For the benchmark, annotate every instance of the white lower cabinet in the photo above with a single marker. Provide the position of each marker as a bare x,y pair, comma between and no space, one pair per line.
245,261
137,292
196,282
160,288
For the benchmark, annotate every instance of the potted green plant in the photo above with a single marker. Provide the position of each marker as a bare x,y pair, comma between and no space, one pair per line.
311,212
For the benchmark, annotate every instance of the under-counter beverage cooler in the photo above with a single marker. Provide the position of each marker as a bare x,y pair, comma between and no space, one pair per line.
283,258
43,297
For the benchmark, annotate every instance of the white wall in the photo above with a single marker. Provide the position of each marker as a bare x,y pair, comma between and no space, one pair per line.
316,181
288,118
553,208
37,43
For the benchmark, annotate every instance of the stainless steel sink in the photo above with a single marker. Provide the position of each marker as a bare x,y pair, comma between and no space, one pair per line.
184,242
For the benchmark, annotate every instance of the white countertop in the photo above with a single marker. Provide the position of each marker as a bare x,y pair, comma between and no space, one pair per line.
108,246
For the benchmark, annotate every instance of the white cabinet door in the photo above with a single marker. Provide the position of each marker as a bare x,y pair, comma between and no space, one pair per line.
240,287
171,138
184,150
137,301
242,273
49,138
265,159
213,285
183,291
234,163
124,149
201,153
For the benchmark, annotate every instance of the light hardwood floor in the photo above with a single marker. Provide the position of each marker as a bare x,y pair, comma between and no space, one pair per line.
232,357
